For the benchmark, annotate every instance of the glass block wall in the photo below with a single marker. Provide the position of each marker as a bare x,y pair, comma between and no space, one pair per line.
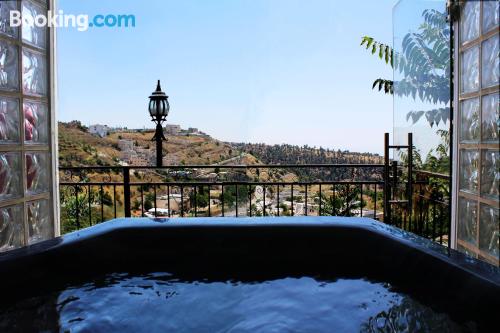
477,128
26,177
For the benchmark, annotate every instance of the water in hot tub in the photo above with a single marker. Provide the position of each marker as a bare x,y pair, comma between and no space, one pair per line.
162,303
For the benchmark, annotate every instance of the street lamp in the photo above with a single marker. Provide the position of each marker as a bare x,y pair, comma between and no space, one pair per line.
158,109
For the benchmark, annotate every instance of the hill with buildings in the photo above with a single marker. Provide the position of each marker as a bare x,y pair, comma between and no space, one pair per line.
101,145
79,147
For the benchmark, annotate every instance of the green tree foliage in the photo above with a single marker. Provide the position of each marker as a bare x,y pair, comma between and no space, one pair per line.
229,195
344,200
424,65
200,199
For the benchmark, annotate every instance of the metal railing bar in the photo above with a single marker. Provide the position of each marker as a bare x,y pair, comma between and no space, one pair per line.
264,202
182,201
209,202
236,200
114,199
222,199
278,201
77,207
361,199
249,200
306,201
168,200
90,204
154,201
142,201
102,203
320,199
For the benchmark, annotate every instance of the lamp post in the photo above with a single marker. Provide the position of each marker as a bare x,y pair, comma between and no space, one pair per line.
158,110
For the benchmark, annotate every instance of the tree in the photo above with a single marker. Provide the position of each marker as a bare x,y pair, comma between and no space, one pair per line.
200,199
148,204
342,202
229,196
424,64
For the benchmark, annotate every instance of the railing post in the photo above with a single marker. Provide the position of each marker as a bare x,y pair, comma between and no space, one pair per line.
387,186
126,191
77,208
393,194
410,179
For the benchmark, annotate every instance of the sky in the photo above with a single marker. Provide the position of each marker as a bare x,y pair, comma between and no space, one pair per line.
271,71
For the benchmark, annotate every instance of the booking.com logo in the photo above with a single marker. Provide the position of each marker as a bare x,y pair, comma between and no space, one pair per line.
82,21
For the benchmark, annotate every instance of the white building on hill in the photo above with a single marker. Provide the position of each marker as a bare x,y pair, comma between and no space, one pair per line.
99,130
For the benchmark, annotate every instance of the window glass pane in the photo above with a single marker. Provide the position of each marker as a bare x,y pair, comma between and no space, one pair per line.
5,26
488,228
43,2
466,251
10,175
469,120
11,227
490,15
37,172
470,70
34,73
469,24
467,220
39,224
35,122
32,34
491,62
491,118
9,62
490,173
9,120
469,170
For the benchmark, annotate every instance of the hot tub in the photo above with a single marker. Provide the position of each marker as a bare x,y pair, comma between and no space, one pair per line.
293,274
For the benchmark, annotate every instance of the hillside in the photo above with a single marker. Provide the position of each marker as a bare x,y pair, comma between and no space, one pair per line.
77,147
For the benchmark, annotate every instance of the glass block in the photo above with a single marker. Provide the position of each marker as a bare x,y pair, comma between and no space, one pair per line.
467,221
9,64
490,174
34,73
470,70
11,227
10,176
5,26
488,230
9,120
469,23
32,34
37,172
490,15
491,62
36,127
469,170
469,120
490,118
39,222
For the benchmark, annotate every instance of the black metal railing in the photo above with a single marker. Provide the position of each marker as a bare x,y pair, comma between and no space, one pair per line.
91,195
